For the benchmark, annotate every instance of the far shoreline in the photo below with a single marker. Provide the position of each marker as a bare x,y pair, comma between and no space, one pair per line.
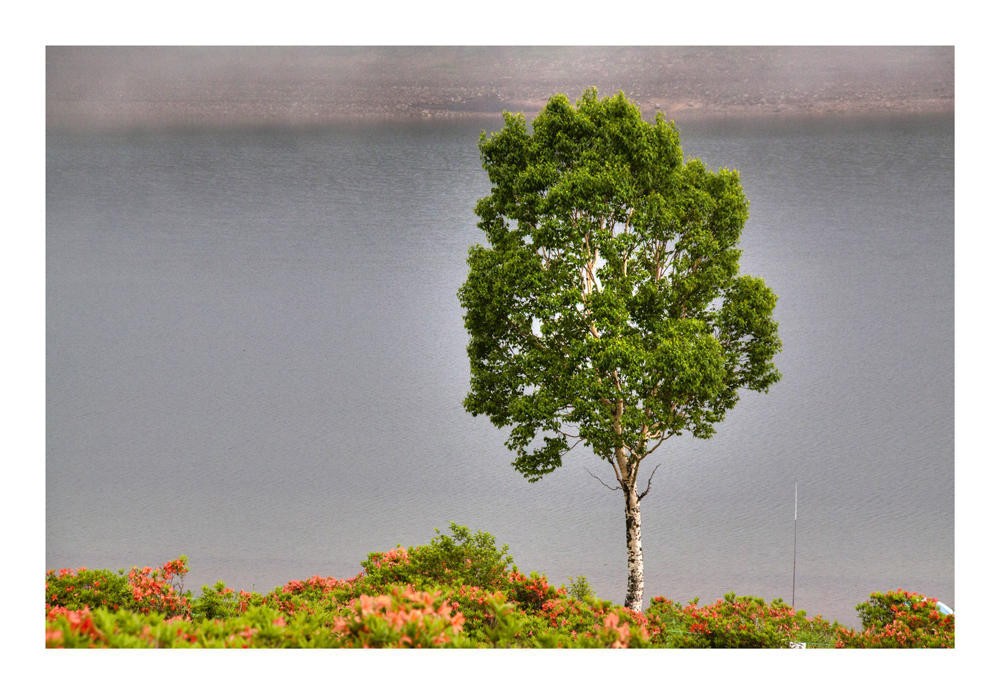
121,88
120,118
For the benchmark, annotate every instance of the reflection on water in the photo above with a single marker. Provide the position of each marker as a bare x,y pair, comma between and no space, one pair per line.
255,357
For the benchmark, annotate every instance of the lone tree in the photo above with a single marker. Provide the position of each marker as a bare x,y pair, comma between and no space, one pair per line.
607,307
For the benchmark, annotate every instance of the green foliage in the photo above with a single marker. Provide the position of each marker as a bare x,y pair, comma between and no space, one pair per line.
216,602
502,626
258,627
403,619
900,619
607,304
466,558
580,589
816,632
734,622
470,607
531,592
145,590
87,588
738,622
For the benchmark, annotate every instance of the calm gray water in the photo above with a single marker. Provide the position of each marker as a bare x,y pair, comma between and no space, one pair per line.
255,357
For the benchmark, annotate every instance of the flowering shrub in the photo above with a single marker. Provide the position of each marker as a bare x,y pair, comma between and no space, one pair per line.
316,596
464,558
738,622
317,587
531,592
143,590
584,618
155,590
458,591
475,604
219,602
899,619
733,622
73,628
86,588
616,634
665,619
505,626
259,627
403,619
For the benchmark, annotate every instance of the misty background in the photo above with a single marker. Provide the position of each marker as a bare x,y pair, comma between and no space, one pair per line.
141,87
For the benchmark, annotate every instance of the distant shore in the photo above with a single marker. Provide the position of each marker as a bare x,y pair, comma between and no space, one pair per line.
115,88
143,116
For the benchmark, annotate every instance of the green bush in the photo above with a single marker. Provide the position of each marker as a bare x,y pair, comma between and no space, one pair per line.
459,591
738,622
580,589
734,622
403,619
531,592
464,558
216,602
87,588
145,590
258,627
899,619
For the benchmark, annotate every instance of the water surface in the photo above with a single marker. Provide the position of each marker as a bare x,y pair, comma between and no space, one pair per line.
255,357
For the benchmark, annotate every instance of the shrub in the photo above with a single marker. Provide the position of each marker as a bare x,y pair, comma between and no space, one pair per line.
464,558
87,588
145,590
531,592
580,589
403,619
899,619
458,591
733,622
218,602
72,628
479,607
259,627
665,619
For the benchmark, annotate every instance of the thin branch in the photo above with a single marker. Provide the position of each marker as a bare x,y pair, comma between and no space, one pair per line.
663,437
602,481
614,469
650,481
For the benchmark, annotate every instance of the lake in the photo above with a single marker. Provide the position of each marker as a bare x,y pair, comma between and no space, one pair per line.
256,357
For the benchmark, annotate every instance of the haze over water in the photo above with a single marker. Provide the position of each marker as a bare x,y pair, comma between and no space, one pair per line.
256,357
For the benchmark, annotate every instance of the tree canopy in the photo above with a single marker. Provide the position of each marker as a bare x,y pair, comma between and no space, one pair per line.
597,304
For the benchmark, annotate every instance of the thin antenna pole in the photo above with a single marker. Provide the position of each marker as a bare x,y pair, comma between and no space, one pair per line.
795,541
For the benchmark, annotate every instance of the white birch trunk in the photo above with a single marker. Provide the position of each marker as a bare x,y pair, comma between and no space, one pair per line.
633,539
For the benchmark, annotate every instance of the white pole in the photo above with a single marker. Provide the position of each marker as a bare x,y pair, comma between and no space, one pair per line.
795,541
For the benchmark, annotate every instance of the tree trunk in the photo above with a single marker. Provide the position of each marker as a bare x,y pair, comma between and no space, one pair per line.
633,597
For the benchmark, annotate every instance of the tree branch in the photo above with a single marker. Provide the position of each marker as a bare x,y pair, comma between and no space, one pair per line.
663,437
602,481
649,482
614,469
